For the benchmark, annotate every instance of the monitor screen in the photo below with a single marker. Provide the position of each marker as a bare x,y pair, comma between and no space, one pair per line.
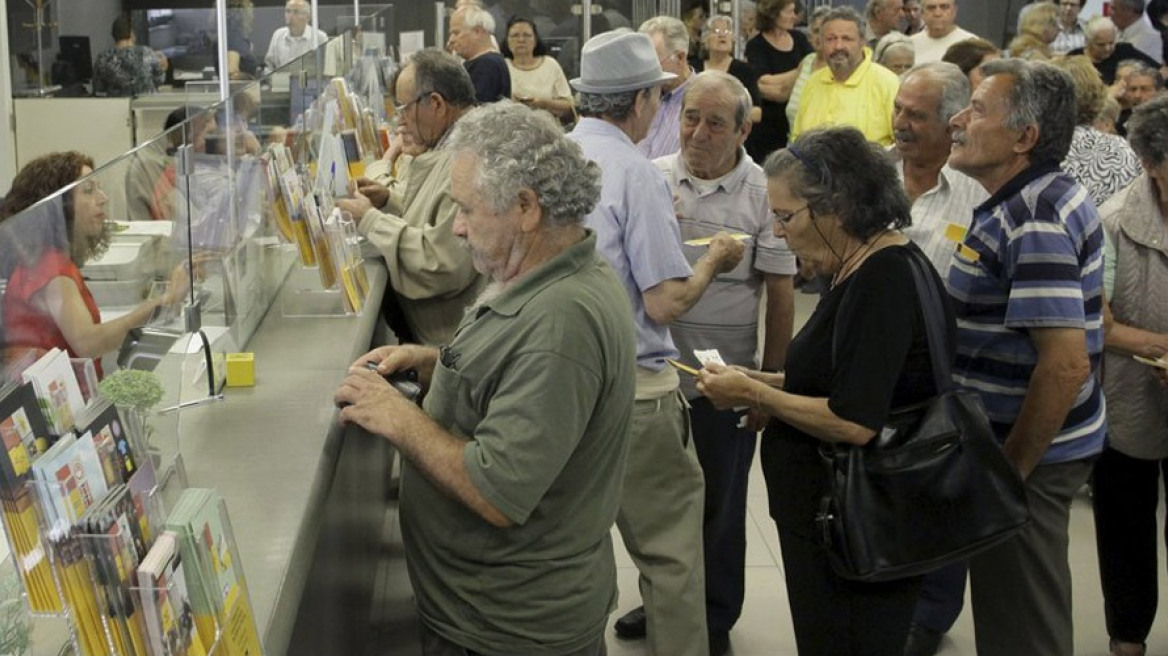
75,50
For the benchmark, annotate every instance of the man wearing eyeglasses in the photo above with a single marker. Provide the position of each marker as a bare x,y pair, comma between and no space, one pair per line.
432,275
295,38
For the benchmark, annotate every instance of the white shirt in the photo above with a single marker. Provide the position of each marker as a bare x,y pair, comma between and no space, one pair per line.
927,49
951,201
285,47
1145,38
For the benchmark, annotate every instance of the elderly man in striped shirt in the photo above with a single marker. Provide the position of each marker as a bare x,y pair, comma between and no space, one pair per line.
1027,286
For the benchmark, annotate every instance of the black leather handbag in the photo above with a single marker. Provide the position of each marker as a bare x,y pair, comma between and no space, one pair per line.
932,488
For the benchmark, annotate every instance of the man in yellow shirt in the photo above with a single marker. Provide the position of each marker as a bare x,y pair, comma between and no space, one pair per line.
852,89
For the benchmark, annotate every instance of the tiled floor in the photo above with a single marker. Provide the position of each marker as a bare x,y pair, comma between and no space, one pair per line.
765,626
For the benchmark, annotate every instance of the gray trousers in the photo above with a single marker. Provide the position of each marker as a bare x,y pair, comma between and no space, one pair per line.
435,645
660,520
1021,589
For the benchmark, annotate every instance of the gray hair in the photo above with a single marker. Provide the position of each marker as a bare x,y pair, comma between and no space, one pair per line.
517,147
1147,130
1043,96
728,84
873,5
954,85
1132,5
846,13
614,106
719,18
440,72
1143,69
674,34
890,41
1098,24
837,171
475,16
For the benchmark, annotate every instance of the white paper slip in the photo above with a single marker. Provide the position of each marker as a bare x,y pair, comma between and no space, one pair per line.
709,356
705,241
1159,364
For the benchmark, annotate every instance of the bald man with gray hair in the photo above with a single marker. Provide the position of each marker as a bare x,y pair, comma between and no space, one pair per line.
717,186
471,33
930,95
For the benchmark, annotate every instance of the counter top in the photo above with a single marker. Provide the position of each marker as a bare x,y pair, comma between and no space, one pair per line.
271,452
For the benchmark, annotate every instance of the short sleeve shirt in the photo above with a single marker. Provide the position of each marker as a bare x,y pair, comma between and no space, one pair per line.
636,228
490,76
1038,263
726,316
863,101
540,382
131,71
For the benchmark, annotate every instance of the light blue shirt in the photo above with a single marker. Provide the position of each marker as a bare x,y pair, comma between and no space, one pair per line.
664,137
636,230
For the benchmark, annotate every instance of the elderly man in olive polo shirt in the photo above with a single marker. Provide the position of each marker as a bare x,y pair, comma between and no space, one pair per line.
512,471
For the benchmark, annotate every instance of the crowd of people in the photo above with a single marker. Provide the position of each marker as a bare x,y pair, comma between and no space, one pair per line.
561,292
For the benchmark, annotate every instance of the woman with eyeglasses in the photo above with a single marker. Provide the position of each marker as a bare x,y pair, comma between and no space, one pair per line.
536,77
835,199
717,54
43,245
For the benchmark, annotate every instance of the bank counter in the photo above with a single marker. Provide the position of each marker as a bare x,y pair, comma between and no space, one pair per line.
226,244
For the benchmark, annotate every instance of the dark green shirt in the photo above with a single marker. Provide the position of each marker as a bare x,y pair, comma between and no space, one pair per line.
540,381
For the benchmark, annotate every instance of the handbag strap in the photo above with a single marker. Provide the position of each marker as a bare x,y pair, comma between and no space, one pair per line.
933,315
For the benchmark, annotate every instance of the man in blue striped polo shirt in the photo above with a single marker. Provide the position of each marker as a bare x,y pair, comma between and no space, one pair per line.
1027,289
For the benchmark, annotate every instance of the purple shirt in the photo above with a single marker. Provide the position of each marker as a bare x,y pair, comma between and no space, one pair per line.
664,136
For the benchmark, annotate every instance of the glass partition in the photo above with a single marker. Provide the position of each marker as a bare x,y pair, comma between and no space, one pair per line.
138,280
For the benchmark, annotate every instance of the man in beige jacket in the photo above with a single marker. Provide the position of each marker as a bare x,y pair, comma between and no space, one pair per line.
430,273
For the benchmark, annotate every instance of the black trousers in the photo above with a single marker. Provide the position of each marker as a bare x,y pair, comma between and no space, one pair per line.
1127,491
725,453
837,617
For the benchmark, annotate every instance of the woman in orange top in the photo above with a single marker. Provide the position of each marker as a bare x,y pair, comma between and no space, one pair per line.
42,247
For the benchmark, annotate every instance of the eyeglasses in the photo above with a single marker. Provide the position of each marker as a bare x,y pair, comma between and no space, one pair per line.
783,218
721,31
401,109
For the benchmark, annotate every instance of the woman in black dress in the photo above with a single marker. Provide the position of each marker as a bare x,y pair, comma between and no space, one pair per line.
835,198
774,54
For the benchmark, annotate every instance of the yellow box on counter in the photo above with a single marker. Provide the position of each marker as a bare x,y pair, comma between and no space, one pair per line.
240,369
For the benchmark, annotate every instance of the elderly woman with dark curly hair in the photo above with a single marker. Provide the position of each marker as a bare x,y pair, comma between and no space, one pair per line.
43,244
835,198
1128,474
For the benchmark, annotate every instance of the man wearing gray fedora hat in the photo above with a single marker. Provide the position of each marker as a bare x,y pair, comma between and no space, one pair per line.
660,517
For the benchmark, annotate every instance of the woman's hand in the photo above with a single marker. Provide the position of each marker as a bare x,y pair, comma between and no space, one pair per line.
180,284
727,387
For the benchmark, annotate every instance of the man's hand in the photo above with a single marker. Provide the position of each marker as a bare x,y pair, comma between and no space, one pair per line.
378,194
392,359
356,206
725,252
366,399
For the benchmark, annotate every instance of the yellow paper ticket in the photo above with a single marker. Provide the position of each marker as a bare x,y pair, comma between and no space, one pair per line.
705,241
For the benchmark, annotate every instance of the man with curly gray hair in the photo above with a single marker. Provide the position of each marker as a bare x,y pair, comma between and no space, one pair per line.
637,232
513,466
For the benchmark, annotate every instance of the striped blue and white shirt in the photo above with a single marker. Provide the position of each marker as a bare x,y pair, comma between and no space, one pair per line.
1039,264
